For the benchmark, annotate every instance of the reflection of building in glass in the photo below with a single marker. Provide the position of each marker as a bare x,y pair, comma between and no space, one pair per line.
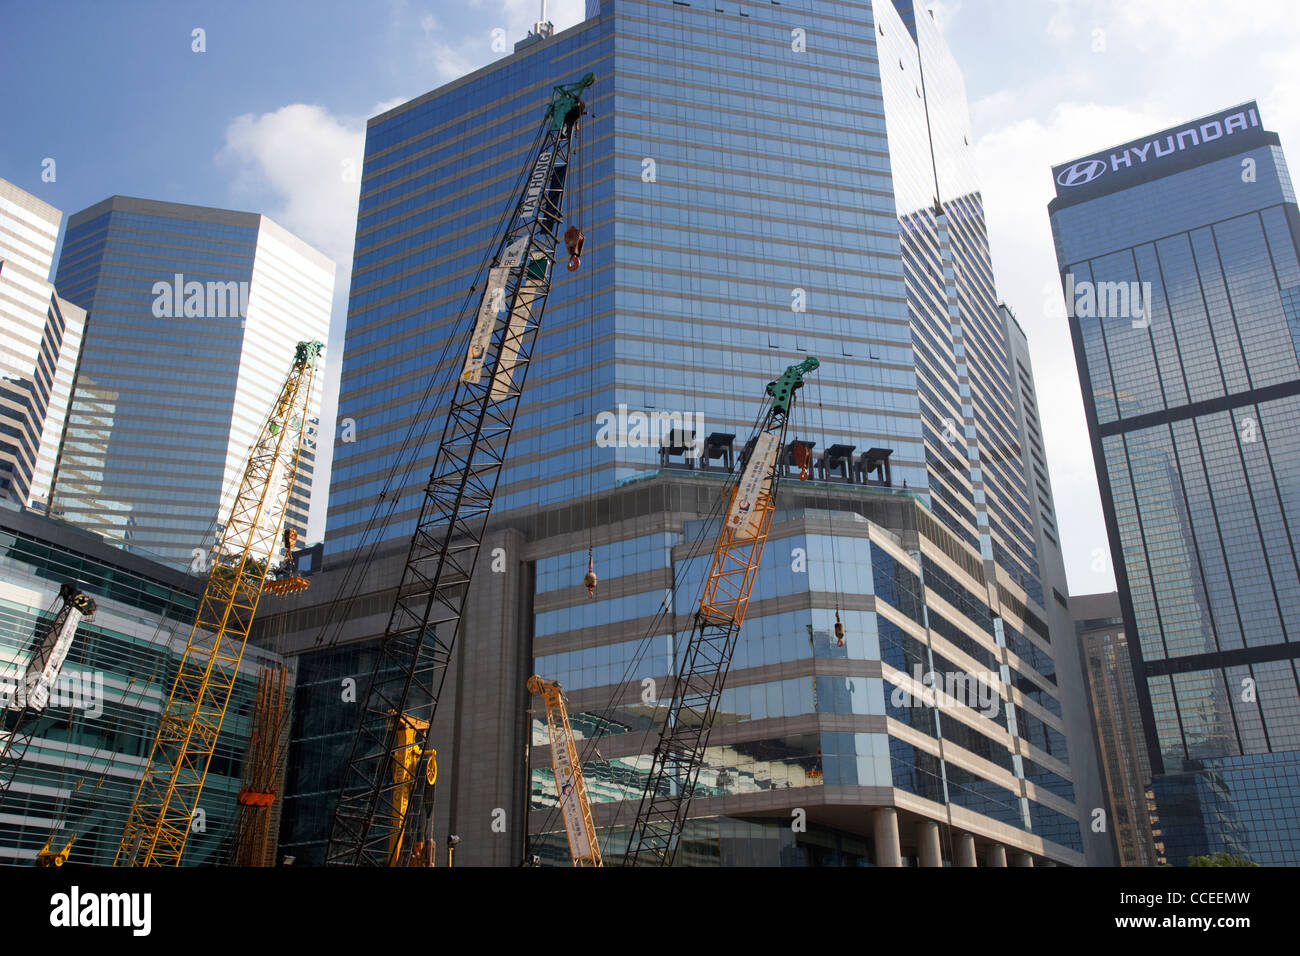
80,773
40,339
1085,762
194,315
732,229
1197,461
1118,721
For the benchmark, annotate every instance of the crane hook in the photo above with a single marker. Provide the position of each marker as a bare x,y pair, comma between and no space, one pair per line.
590,579
574,241
801,455
839,629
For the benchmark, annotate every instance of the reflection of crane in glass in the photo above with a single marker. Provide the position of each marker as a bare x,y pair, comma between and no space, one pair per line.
570,787
32,691
697,691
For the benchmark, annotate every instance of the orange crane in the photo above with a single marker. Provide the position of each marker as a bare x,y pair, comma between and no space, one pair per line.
570,787
168,795
678,756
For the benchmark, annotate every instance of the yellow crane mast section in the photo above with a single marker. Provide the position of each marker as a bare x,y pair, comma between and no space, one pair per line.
168,795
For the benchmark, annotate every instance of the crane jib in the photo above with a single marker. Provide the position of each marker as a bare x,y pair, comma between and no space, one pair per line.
372,820
706,658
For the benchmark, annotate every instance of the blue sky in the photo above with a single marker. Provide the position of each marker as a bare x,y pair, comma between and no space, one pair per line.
271,118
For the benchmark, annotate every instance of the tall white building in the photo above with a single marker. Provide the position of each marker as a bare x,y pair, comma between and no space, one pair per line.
194,314
40,338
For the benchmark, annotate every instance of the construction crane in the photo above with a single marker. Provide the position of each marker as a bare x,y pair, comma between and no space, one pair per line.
678,756
168,795
570,787
48,855
369,827
31,694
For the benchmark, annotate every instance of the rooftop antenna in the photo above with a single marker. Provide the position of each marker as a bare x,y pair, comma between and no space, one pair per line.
541,30
543,27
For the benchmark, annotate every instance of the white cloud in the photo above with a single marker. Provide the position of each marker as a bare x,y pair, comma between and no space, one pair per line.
301,165
944,12
443,61
307,162
1061,26
1015,163
1193,29
1161,62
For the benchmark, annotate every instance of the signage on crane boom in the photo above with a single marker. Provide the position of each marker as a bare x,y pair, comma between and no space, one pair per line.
570,806
494,301
532,198
742,519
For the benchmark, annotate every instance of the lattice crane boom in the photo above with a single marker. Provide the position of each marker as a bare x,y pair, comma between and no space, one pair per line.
370,827
697,690
169,791
570,785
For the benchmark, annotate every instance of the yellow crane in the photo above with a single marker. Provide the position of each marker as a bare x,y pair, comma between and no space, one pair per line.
168,795
570,787
406,767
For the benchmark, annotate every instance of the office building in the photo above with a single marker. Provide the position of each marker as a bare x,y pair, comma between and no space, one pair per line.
1178,257
194,314
1085,760
81,770
1125,767
758,187
40,340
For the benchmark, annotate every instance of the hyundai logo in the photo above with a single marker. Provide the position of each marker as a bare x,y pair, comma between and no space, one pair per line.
1082,173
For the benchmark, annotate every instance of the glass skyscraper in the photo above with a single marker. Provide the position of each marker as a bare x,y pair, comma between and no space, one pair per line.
194,314
40,340
1178,255
1112,694
757,184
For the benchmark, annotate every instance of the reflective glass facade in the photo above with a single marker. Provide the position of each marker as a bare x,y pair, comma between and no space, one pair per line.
1192,399
758,187
41,340
713,200
194,317
80,773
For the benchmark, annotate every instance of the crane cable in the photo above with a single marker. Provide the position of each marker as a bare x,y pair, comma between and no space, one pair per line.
589,579
652,630
830,519
339,610
604,713
720,505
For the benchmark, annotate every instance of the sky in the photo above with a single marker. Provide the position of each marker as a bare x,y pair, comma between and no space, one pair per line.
270,117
